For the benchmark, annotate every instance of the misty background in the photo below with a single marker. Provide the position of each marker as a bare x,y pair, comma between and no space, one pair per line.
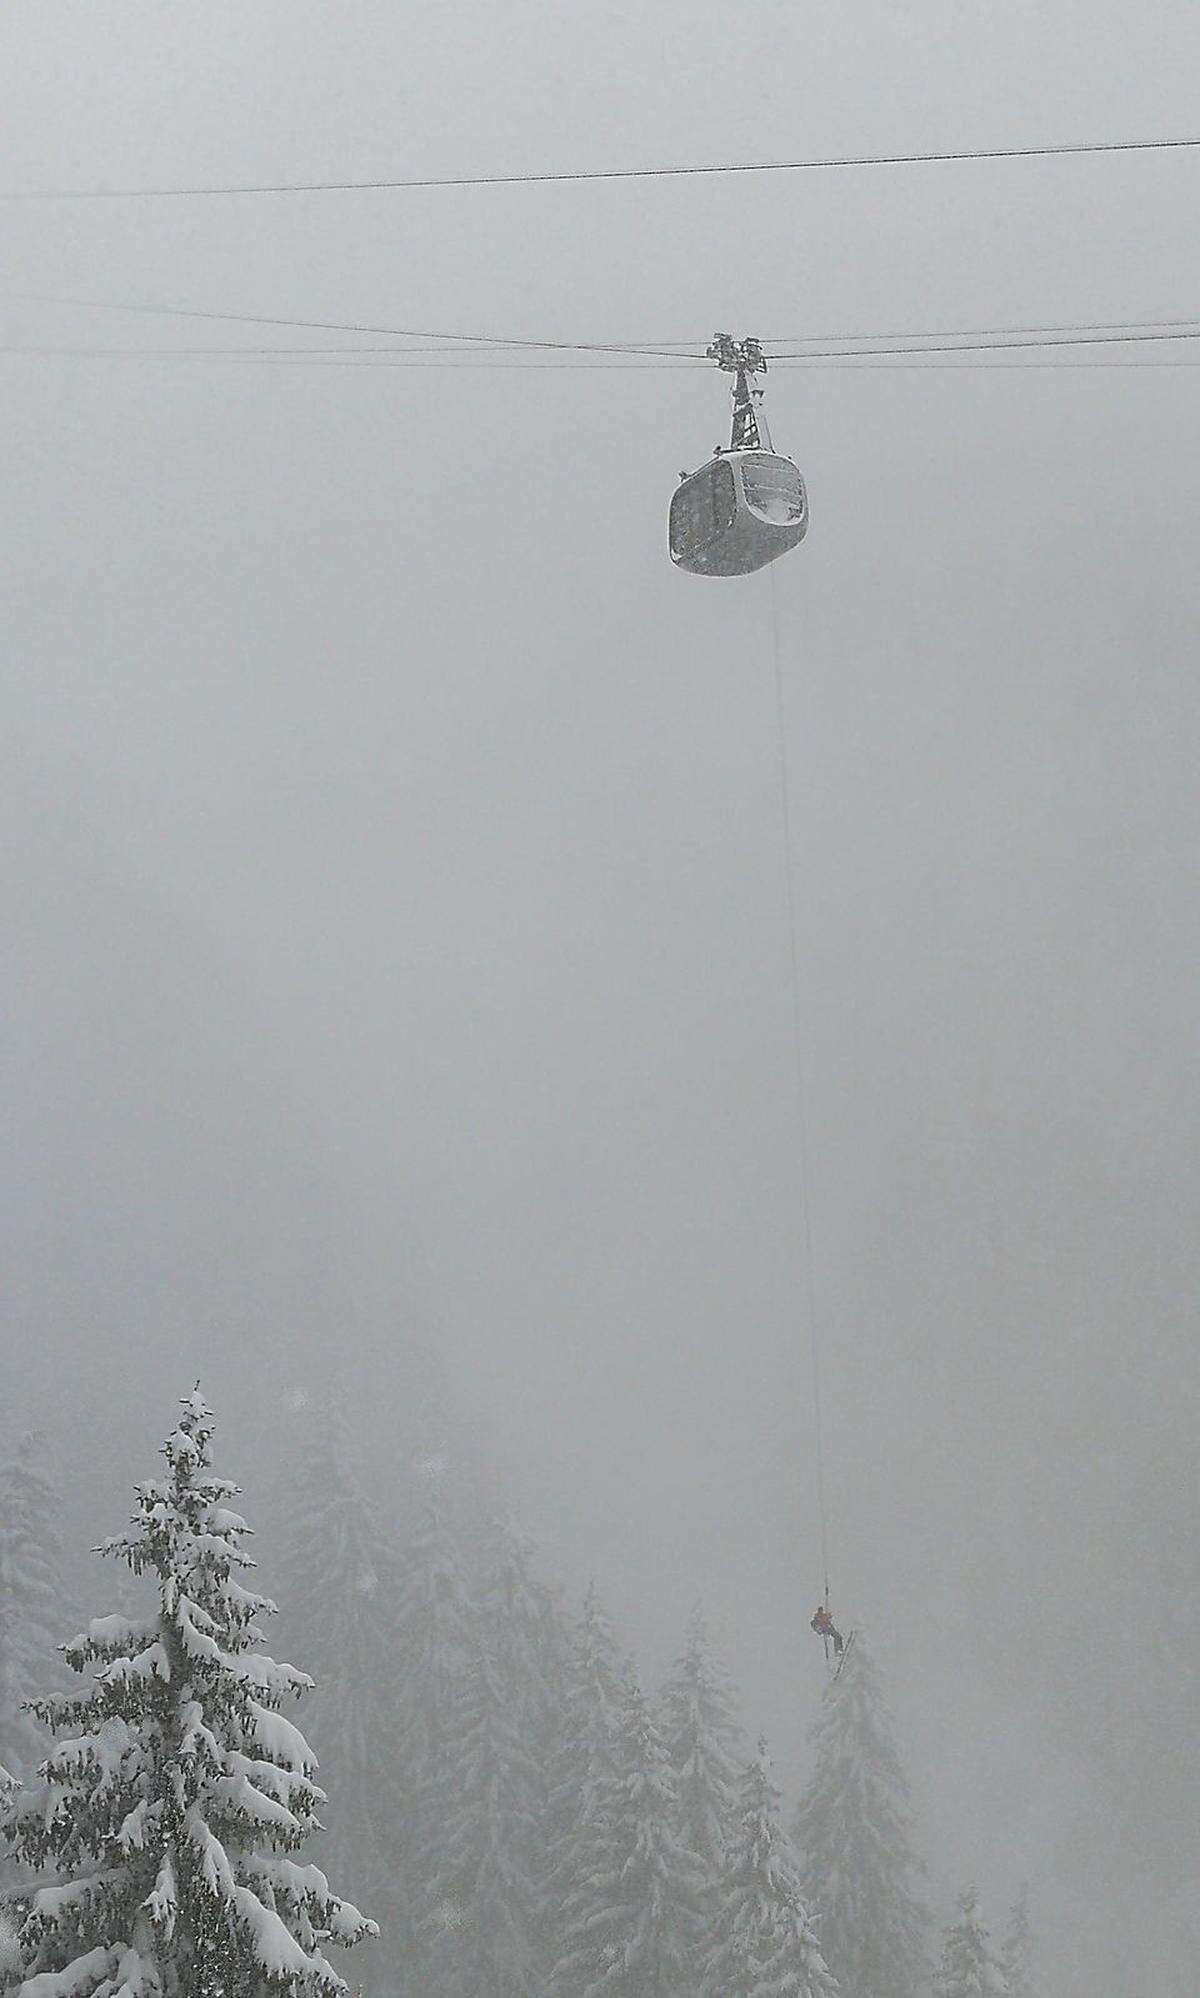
397,957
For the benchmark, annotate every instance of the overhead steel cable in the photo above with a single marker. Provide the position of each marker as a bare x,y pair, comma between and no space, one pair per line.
807,348
1083,338
650,348
828,163
331,354
367,361
1150,321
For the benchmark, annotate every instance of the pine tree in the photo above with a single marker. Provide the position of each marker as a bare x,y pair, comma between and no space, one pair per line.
484,1904
852,1834
1017,1954
340,1595
702,1741
31,1602
433,1639
480,1918
10,1911
632,1916
761,1943
526,1625
342,1608
968,1968
595,1684
432,1650
171,1812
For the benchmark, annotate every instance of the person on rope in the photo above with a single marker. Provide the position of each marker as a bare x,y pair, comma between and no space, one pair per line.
823,1624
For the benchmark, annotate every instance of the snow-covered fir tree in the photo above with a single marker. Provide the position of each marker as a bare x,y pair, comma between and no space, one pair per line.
528,1629
632,1916
853,1838
431,1653
483,1907
761,1943
1017,1955
479,1920
969,1967
595,1682
10,1953
703,1742
165,1835
340,1609
433,1632
10,1911
32,1603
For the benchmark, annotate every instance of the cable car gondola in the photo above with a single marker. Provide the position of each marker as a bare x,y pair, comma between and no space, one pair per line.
748,504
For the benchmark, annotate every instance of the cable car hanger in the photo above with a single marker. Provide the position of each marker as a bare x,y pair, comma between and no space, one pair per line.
748,504
743,360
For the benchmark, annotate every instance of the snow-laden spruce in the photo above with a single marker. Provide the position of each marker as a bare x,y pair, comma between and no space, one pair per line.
424,1686
632,1915
703,1742
969,1967
762,1944
432,1638
165,1832
10,1956
852,1836
338,1606
481,1918
594,1686
31,1603
1018,1951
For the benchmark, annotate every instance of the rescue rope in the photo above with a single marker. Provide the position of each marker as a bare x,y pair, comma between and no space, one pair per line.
804,1175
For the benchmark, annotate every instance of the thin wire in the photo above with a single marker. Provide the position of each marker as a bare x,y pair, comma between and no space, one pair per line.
851,356
861,365
333,356
785,802
943,367
650,348
362,363
842,347
231,353
373,361
821,164
972,332
1082,338
851,364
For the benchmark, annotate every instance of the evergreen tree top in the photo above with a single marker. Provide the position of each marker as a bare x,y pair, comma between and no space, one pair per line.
852,1833
582,1752
31,1599
170,1814
855,1754
762,1944
703,1743
519,1619
969,1968
632,1915
1017,1955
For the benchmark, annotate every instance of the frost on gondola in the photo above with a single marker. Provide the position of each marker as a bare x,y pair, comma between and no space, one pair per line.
748,504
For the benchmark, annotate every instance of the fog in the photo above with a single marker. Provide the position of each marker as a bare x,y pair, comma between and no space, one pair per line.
397,952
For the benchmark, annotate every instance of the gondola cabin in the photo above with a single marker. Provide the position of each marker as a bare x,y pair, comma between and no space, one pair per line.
748,504
737,513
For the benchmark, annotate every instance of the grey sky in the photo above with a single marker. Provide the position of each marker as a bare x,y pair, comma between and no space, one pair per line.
395,849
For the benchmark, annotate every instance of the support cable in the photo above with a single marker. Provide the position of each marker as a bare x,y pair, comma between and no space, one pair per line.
805,1199
833,162
859,347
